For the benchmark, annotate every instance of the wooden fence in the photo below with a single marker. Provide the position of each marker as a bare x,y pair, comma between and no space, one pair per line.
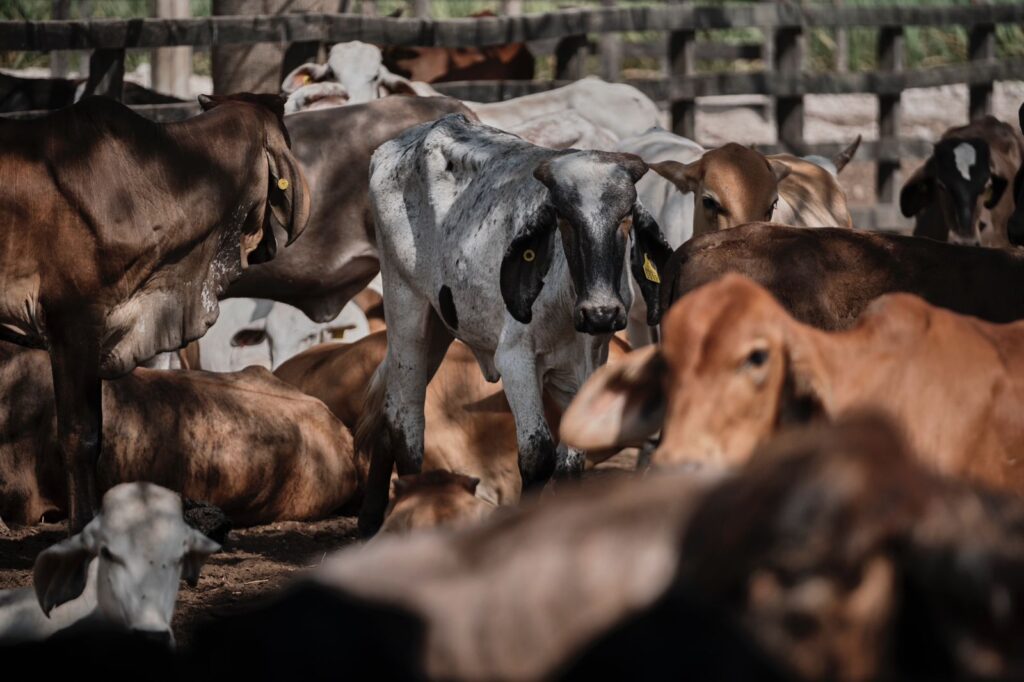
784,80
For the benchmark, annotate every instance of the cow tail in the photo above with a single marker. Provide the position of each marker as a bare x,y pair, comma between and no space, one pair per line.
372,442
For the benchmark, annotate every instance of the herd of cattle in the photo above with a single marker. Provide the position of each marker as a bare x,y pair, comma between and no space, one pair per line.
829,455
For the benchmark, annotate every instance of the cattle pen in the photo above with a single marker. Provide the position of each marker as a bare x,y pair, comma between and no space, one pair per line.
785,80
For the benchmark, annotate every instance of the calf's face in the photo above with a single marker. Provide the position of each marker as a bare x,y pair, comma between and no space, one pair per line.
731,369
143,547
591,200
732,185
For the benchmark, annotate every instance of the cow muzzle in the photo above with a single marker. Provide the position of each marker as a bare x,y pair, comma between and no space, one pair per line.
602,318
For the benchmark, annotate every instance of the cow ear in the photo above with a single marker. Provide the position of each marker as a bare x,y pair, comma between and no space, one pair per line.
60,571
685,176
288,193
198,549
526,262
620,405
304,75
779,169
470,483
634,165
916,191
802,398
648,258
207,102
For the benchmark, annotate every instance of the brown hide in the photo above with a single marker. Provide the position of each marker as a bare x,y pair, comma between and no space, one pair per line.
734,368
827,277
120,234
469,425
337,256
434,498
242,441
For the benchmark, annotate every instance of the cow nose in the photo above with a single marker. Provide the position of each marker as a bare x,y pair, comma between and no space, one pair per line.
600,319
162,637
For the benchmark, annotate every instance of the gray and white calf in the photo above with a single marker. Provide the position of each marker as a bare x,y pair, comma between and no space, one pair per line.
122,569
518,251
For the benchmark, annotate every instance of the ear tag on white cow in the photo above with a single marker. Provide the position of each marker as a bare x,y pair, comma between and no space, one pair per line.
282,184
650,271
529,255
305,78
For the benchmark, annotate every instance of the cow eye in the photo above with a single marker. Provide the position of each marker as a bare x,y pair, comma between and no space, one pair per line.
771,211
107,555
711,206
249,337
756,358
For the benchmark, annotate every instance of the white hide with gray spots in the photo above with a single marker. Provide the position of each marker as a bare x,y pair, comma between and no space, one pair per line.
256,331
123,569
476,230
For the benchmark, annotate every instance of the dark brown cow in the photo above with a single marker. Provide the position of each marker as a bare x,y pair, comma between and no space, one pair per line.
734,368
513,61
119,234
963,191
243,441
827,277
337,256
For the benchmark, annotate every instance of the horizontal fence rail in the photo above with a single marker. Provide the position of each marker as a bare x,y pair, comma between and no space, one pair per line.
479,32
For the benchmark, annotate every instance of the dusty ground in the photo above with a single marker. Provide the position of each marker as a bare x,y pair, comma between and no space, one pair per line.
255,562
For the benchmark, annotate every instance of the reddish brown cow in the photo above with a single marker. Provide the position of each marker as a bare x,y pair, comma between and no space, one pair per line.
119,234
735,367
513,61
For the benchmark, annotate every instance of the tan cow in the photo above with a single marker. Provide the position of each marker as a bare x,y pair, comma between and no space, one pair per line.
434,498
243,441
735,367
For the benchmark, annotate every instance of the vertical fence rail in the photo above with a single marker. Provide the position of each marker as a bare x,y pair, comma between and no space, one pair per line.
682,62
981,46
789,110
890,59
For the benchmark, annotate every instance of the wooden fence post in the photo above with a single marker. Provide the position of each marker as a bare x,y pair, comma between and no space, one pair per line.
611,51
682,62
981,46
890,59
421,8
788,51
171,67
106,74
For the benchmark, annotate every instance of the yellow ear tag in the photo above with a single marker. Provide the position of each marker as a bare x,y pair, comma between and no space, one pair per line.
306,78
282,184
650,271
529,255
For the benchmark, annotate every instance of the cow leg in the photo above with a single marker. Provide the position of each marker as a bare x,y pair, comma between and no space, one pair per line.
77,393
569,463
522,388
417,343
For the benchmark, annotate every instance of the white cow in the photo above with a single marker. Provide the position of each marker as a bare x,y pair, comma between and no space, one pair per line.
123,569
256,331
516,250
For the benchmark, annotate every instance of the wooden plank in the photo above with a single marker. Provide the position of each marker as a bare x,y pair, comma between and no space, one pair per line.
149,33
106,74
890,59
682,63
610,51
789,108
981,46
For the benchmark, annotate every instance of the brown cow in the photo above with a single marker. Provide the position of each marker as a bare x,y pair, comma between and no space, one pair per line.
512,61
963,192
734,367
827,277
832,555
434,498
119,236
244,441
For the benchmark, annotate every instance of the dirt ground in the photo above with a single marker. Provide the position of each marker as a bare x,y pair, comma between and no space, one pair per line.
255,562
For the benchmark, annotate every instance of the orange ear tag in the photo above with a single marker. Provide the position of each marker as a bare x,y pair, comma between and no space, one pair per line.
282,184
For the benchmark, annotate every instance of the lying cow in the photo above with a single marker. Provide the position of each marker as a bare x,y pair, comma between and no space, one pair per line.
832,555
827,277
121,571
485,208
245,442
1015,226
433,499
121,234
963,192
695,191
337,257
734,367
